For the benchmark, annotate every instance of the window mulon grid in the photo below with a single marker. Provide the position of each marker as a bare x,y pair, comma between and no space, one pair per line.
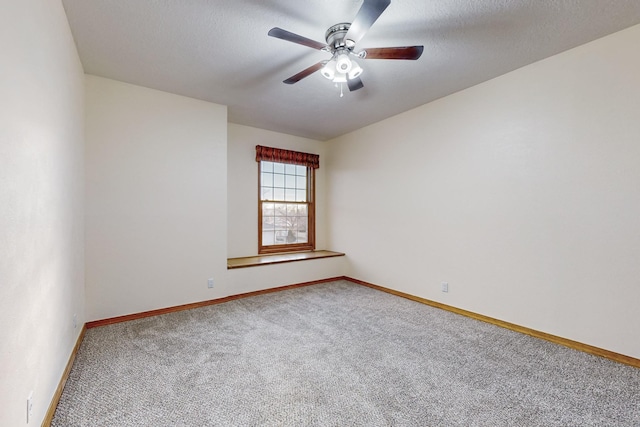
281,182
284,197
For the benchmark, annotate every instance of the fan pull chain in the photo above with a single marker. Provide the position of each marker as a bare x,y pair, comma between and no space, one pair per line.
341,93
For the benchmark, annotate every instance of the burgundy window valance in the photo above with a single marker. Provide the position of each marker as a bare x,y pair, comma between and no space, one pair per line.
270,154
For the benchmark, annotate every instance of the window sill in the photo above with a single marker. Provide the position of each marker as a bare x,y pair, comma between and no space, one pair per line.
254,261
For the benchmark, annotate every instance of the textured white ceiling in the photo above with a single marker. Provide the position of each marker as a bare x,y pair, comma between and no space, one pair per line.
219,51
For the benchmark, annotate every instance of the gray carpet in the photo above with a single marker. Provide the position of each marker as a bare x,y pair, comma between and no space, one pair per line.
337,354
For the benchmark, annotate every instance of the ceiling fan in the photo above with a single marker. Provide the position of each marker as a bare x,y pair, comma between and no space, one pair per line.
341,44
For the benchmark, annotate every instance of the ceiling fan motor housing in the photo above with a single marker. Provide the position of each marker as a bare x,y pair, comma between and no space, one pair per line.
335,36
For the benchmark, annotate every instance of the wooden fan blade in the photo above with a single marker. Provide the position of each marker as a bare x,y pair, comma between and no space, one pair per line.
403,52
355,84
366,16
304,73
279,33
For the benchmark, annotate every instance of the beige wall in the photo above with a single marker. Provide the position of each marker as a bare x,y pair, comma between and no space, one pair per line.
523,193
243,211
41,204
156,191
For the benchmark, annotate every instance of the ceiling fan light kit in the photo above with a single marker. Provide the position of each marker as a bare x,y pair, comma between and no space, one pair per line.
341,42
343,63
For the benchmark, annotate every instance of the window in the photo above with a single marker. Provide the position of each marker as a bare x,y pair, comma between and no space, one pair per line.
286,208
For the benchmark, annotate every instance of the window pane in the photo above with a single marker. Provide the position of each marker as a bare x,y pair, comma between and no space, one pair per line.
278,180
290,195
301,170
292,210
278,167
292,222
268,238
281,209
302,210
268,223
301,182
281,223
290,181
301,195
302,223
293,237
268,209
267,180
266,166
281,237
278,194
290,169
302,229
301,237
267,193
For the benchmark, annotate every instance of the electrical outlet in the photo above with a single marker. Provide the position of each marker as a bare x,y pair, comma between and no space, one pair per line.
444,286
210,283
30,407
